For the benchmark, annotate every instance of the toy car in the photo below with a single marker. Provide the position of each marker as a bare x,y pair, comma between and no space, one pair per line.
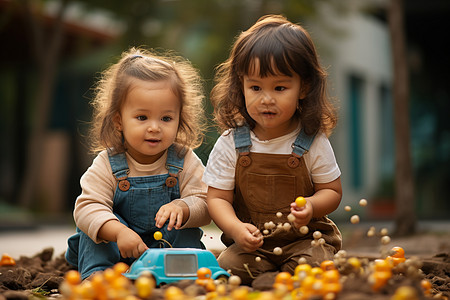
168,265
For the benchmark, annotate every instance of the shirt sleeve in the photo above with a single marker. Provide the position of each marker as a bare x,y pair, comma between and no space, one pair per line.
220,169
193,191
321,161
93,207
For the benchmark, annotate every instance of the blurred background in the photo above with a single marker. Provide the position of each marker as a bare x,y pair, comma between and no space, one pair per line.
53,51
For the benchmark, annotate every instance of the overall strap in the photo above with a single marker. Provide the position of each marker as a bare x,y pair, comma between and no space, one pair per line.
302,143
119,165
174,162
242,139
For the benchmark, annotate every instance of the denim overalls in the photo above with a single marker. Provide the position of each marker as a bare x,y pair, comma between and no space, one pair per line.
136,202
265,185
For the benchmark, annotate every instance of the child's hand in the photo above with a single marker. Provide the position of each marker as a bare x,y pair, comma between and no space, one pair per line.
130,243
248,237
174,211
303,215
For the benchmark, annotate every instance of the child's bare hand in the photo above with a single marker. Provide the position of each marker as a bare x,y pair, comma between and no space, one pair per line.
248,238
130,243
303,215
173,212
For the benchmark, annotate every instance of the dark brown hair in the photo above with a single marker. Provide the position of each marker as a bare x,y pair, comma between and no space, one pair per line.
280,47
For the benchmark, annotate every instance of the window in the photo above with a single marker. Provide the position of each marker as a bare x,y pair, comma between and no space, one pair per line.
356,90
181,264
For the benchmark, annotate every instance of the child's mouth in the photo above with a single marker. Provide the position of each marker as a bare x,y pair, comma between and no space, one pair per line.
152,141
269,113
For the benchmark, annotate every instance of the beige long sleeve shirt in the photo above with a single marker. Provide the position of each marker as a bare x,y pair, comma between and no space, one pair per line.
94,207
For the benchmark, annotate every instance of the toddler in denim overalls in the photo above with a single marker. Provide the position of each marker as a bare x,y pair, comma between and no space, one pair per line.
135,206
146,177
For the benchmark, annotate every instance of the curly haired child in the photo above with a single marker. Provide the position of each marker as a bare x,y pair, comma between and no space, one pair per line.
145,178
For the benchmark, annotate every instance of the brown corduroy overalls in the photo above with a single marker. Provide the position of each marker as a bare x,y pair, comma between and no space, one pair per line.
267,184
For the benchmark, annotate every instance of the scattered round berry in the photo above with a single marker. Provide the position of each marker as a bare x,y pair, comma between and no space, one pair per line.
304,230
354,219
384,231
234,280
277,251
287,226
317,235
385,240
291,218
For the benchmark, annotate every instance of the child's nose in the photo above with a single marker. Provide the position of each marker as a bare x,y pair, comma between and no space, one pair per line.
153,126
267,98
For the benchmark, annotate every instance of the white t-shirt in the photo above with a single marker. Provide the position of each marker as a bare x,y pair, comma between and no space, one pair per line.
220,169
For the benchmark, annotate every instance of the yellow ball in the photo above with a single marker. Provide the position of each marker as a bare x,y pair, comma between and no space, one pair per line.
354,262
144,286
120,268
73,277
157,235
405,293
300,201
173,292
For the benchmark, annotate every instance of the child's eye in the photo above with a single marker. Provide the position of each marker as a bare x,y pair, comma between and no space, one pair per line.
166,119
255,88
280,88
141,118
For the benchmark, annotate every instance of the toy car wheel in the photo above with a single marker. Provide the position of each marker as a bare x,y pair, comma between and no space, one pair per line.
222,279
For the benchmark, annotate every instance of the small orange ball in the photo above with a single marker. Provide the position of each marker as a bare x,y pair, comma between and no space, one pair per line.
109,275
354,262
157,235
173,292
120,268
331,276
302,268
327,265
73,277
426,286
398,252
204,273
316,272
7,260
284,278
300,201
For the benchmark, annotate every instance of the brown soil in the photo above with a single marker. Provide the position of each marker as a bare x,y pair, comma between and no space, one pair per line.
43,273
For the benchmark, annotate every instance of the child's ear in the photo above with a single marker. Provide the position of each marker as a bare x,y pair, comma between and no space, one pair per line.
304,90
117,122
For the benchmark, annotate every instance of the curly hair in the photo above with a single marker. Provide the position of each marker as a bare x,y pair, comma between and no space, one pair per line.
278,46
138,63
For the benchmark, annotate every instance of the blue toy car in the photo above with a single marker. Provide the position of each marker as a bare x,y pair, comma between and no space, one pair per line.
168,265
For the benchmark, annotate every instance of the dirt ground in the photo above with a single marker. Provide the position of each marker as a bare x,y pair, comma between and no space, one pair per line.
43,273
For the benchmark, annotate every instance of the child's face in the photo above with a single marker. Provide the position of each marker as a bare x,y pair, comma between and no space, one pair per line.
272,101
149,119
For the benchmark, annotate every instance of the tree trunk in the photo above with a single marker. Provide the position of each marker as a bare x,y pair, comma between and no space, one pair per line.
46,51
405,222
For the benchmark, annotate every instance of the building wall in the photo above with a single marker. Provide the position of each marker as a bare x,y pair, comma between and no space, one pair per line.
356,51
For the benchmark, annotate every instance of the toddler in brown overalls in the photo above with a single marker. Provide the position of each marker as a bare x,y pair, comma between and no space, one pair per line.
270,100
